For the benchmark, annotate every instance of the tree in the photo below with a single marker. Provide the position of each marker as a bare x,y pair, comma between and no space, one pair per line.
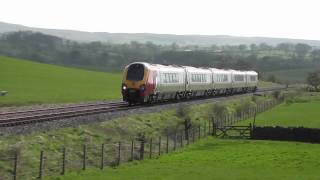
265,46
253,47
242,65
286,47
316,55
302,49
313,79
272,78
218,111
242,47
183,113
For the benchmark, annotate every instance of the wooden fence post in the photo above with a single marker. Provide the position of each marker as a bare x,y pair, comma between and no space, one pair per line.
159,150
142,149
193,134
232,118
199,135
250,130
150,149
187,136
102,156
41,165
214,129
205,129
167,147
254,118
175,141
84,160
212,121
63,170
15,165
119,153
132,149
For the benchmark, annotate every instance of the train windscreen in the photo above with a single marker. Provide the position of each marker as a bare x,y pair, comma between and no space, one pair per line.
135,72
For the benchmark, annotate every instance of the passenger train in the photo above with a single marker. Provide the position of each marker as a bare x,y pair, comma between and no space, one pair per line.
148,83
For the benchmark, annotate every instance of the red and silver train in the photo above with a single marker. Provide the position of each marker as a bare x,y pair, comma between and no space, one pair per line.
147,83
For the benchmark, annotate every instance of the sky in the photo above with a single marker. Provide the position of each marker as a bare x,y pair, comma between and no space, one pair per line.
269,18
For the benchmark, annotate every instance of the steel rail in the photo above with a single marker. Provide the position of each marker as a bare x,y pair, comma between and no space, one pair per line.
58,108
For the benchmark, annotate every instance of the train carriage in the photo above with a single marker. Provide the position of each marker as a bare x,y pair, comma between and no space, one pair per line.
143,82
170,82
239,81
199,81
252,80
222,82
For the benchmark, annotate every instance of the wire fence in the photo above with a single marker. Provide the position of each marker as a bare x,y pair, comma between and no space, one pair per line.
17,165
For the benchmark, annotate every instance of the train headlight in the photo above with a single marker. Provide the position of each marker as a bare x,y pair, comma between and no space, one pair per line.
124,87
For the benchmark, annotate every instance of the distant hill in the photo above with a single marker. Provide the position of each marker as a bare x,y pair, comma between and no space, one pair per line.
202,40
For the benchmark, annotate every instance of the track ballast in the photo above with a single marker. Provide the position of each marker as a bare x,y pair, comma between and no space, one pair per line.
15,118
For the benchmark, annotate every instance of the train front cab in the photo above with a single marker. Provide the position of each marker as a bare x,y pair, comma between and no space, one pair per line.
137,83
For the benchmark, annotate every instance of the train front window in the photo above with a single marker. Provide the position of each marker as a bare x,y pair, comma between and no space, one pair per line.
135,72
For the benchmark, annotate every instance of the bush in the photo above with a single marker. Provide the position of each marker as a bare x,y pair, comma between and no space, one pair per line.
296,97
244,107
218,110
276,94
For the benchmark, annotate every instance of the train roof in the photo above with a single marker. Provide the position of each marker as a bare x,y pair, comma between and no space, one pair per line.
194,69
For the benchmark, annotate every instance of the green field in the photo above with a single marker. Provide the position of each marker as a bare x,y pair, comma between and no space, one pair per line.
221,159
34,83
304,113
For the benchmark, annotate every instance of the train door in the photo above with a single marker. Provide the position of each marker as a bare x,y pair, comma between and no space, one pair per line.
186,79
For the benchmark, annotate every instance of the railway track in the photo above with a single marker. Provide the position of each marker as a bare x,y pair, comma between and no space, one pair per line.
15,118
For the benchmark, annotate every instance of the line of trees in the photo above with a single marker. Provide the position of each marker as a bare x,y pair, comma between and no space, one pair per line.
113,57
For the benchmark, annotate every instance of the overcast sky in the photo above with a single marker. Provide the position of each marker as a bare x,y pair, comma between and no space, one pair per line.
270,18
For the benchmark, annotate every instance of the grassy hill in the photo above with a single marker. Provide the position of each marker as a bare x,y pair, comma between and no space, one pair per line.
221,159
29,82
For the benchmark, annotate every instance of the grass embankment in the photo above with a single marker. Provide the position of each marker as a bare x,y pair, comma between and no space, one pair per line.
221,159
35,83
303,110
121,129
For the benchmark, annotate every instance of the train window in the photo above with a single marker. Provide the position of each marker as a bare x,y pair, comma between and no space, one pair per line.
176,79
200,78
135,72
164,78
225,78
170,78
238,77
253,78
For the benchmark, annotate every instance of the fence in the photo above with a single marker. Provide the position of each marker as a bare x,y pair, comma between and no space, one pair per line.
17,165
